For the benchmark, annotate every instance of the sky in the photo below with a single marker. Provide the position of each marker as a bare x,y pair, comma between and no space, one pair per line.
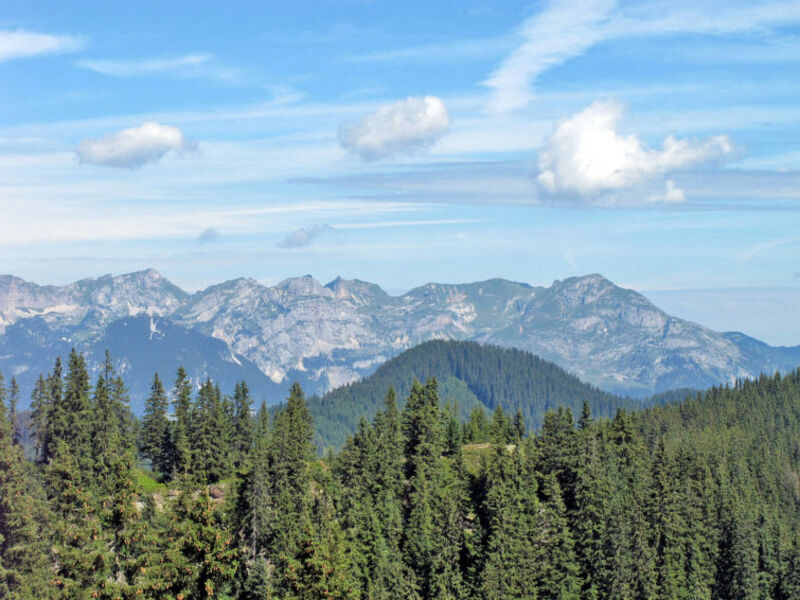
654,142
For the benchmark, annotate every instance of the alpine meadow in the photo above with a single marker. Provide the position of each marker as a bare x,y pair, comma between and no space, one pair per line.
412,300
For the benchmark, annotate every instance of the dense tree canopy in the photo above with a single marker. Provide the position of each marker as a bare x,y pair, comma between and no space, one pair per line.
470,376
207,499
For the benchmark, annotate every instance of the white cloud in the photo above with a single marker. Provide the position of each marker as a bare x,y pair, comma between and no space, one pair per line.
587,156
303,237
123,68
198,66
454,50
133,147
562,30
672,194
566,29
408,125
18,44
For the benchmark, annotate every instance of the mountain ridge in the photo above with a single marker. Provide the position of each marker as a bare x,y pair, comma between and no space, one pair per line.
328,335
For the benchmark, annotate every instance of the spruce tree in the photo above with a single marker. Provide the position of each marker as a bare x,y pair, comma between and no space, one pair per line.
49,412
254,514
477,429
508,559
195,555
556,447
82,550
72,423
242,429
13,401
209,440
182,409
40,418
110,428
23,557
422,426
288,457
556,570
156,436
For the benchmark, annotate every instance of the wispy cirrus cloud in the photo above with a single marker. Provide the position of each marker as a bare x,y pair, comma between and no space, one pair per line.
456,50
196,65
565,30
133,147
561,31
21,44
128,68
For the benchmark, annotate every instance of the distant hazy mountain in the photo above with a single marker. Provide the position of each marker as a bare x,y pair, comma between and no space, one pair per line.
328,335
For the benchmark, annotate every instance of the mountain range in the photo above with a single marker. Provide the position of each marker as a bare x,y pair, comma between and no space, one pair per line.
325,336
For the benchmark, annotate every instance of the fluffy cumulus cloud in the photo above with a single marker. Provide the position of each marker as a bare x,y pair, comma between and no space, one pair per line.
409,125
304,236
133,147
586,156
19,44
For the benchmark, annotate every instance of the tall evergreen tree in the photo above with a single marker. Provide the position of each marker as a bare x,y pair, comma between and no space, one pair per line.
242,429
182,410
508,559
289,454
209,440
49,413
73,415
194,557
156,435
422,426
254,515
13,416
23,557
40,407
82,549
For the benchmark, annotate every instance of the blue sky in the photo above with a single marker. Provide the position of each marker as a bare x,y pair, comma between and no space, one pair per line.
655,142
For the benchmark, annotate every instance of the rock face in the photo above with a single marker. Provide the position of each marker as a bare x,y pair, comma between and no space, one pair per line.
88,305
328,335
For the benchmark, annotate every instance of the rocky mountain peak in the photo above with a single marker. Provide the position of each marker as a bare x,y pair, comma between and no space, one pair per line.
332,334
240,283
591,289
16,293
357,291
303,286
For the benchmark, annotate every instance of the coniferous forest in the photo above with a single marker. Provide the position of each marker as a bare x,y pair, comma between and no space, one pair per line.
208,496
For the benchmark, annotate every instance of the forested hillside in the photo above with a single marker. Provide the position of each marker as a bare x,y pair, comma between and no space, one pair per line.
470,375
698,500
